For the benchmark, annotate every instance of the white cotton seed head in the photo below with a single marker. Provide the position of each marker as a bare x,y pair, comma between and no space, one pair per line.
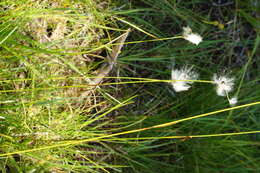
233,101
224,84
190,36
184,73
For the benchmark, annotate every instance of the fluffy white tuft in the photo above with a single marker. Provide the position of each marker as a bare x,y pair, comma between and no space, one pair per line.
190,36
184,73
233,101
224,84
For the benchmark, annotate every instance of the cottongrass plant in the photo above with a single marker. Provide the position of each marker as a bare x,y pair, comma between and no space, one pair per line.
182,78
233,101
185,76
190,36
224,84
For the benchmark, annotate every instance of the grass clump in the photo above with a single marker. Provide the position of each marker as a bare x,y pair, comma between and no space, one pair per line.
49,51
61,112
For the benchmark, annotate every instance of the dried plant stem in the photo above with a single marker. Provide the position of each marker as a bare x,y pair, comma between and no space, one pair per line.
106,68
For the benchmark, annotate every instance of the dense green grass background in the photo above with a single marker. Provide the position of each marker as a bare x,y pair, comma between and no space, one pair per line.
68,117
233,49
